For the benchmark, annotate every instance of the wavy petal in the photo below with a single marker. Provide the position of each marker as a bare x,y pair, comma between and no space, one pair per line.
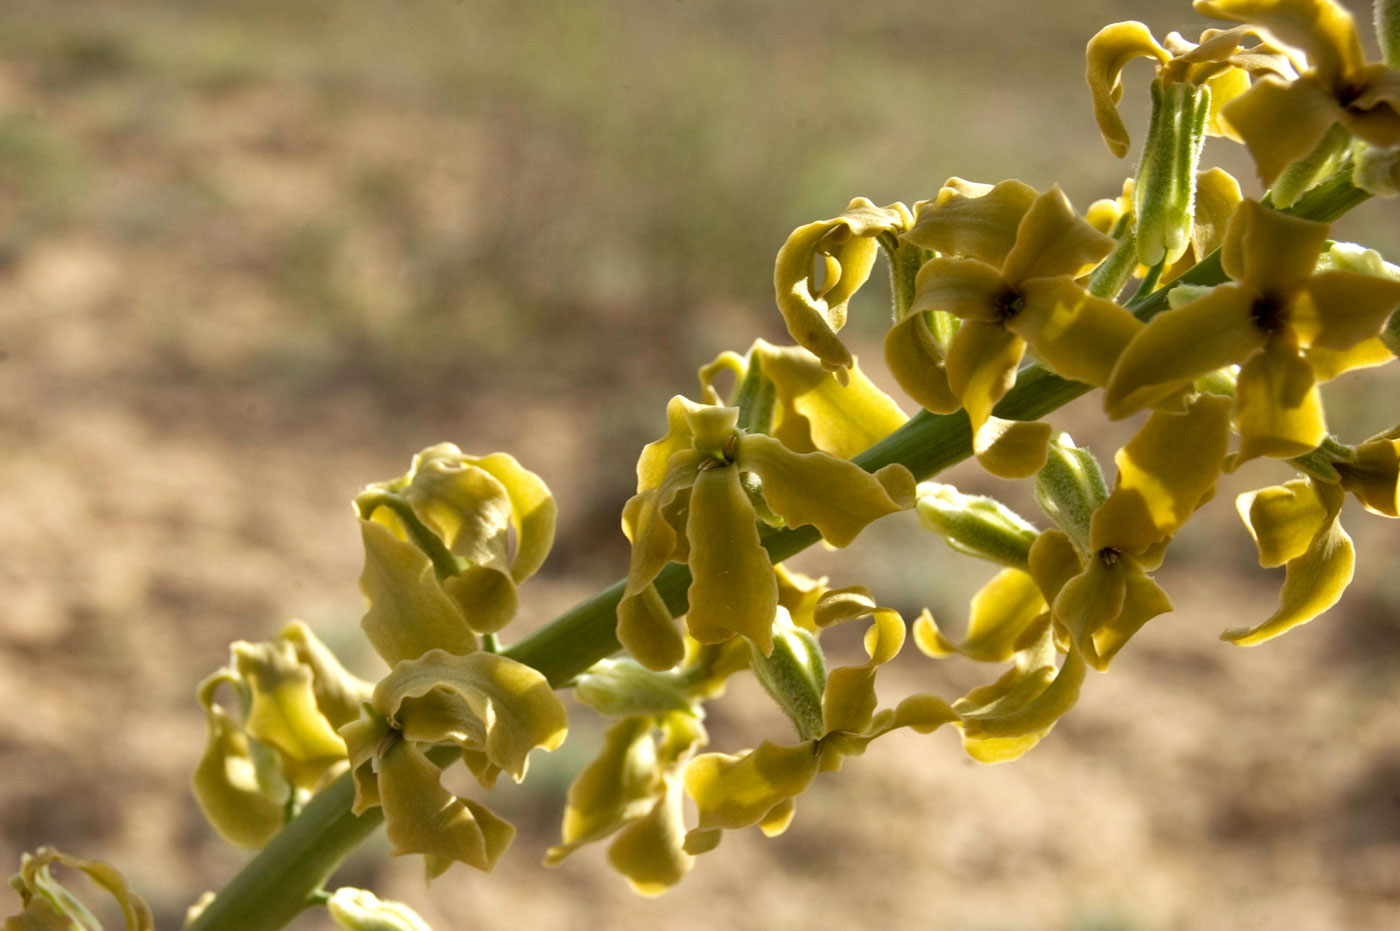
1012,448
409,613
982,365
1107,53
919,363
1312,583
1374,476
1281,122
818,412
836,496
733,588
735,791
975,222
968,288
1283,520
1339,309
482,701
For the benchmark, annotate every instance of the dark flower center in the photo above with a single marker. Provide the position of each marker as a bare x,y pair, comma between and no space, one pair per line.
1008,304
1267,312
1109,557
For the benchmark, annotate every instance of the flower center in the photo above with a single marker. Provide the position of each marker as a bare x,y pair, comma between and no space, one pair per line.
1109,557
1008,304
1267,312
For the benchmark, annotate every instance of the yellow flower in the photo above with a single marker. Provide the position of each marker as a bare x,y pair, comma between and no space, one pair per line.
786,392
1374,475
49,906
759,786
1295,525
1220,61
822,265
490,709
458,510
693,506
293,694
1284,121
1267,321
1010,621
1165,473
1007,264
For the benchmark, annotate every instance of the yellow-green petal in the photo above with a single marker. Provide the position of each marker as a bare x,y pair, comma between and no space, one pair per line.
49,906
1283,520
359,910
481,701
420,816
241,796
818,412
1012,448
982,364
622,784
1312,583
1278,409
972,220
647,631
735,791
1077,335
1281,122
533,512
1165,472
968,288
1092,599
1053,240
650,851
1108,52
733,588
984,727
1179,346
283,713
409,613
836,496
1374,476
1271,252
1339,309
1001,612
919,363
1321,28
1143,600
1327,364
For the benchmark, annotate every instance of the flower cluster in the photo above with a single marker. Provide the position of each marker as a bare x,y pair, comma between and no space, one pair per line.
1243,311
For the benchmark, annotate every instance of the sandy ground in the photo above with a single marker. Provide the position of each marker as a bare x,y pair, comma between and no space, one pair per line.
241,278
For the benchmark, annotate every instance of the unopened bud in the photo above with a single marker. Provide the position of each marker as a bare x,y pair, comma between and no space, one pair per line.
1164,194
359,910
623,687
1069,488
976,525
794,674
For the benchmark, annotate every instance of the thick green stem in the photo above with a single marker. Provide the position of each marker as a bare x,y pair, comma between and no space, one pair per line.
1388,30
282,879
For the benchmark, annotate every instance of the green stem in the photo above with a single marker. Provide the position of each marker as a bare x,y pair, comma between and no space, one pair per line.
274,887
1388,30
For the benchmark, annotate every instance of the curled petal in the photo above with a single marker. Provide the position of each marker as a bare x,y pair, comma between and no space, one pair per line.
1143,600
481,701
736,791
1053,562
621,785
1053,240
1091,600
818,412
646,629
847,248
242,796
1374,476
1108,52
420,816
733,588
283,713
1312,583
836,496
918,362
1321,28
650,851
1001,613
533,512
48,906
1005,728
973,221
1283,520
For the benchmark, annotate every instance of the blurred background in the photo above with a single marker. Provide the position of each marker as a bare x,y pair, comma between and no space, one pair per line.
255,254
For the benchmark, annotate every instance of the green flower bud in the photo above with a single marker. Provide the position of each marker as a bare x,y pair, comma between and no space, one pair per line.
1164,195
794,674
976,525
1069,488
359,910
623,687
